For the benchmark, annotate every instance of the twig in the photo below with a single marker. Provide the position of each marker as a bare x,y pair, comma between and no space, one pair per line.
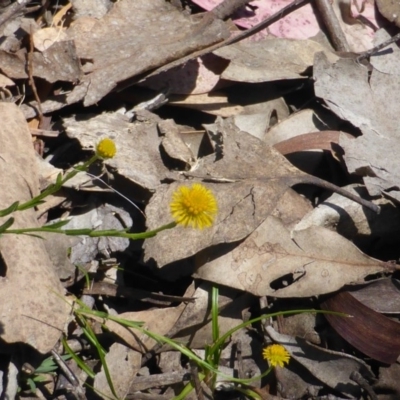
313,180
32,81
194,372
80,394
375,49
239,357
331,22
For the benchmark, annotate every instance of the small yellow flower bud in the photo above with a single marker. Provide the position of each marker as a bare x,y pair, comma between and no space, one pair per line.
106,148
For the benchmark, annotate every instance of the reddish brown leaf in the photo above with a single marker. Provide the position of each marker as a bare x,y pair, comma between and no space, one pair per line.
368,331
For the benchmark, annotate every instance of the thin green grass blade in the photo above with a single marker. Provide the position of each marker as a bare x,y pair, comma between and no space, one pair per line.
6,225
77,359
9,209
214,313
101,352
187,389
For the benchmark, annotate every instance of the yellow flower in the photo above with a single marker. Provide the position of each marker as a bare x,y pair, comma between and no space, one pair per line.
276,354
195,206
106,148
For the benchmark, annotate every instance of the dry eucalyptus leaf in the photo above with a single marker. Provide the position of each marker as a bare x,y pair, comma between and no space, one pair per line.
31,298
134,37
242,207
374,334
382,296
257,118
173,143
272,262
299,123
389,63
57,63
270,59
304,121
295,383
91,8
158,320
373,107
161,34
390,9
123,364
330,367
388,380
58,247
193,327
209,103
4,81
195,77
138,156
46,37
250,181
357,24
348,218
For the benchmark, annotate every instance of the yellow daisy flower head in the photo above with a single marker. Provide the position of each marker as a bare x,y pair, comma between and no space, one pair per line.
106,149
193,206
276,354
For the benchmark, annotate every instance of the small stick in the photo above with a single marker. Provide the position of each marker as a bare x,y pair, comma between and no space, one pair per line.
377,48
265,23
313,180
239,357
79,392
32,81
194,371
331,22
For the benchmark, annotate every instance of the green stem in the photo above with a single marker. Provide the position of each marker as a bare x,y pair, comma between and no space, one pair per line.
94,233
57,186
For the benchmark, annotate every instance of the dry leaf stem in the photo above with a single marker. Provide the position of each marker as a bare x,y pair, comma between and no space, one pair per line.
377,48
313,180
